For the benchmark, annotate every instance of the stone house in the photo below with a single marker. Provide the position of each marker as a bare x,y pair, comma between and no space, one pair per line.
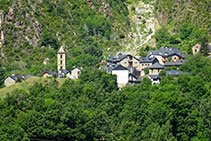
196,48
124,60
146,62
49,74
12,80
166,54
176,63
134,76
155,69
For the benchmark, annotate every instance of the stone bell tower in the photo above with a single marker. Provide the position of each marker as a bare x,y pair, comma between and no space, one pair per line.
61,59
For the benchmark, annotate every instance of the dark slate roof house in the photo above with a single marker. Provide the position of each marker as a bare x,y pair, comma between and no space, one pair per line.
148,60
28,76
51,72
62,73
119,67
155,77
110,67
119,58
174,63
166,52
156,66
175,72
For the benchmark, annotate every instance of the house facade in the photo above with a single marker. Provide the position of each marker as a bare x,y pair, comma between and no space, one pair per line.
155,79
146,62
166,54
155,69
13,79
196,49
10,81
124,60
49,74
74,74
122,74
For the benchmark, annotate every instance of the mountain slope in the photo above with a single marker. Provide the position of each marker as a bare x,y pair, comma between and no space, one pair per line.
90,30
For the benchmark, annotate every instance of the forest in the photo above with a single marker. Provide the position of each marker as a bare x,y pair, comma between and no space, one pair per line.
91,108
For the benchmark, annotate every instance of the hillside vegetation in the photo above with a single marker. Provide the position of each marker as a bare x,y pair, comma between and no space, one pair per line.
34,30
91,30
91,108
26,85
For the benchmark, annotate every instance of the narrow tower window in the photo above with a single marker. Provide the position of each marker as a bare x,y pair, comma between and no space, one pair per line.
61,56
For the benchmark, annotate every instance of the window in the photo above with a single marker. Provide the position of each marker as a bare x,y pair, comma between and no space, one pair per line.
61,56
60,67
60,62
142,64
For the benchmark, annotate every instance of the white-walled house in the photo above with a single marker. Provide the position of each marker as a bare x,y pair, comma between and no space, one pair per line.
10,81
122,74
155,79
74,74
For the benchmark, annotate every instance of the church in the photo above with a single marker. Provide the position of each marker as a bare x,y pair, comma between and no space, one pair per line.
62,71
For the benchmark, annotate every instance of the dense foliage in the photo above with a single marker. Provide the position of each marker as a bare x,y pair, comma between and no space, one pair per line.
39,28
186,36
92,109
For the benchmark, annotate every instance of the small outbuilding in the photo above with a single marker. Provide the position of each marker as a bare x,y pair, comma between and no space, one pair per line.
49,74
155,79
74,74
13,79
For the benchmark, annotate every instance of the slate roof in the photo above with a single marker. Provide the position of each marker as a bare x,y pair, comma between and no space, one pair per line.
148,60
27,76
119,67
175,72
166,52
156,66
61,50
50,72
15,77
134,72
117,59
80,68
64,71
176,63
110,67
154,77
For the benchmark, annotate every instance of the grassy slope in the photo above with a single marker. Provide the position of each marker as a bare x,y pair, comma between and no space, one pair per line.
26,85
